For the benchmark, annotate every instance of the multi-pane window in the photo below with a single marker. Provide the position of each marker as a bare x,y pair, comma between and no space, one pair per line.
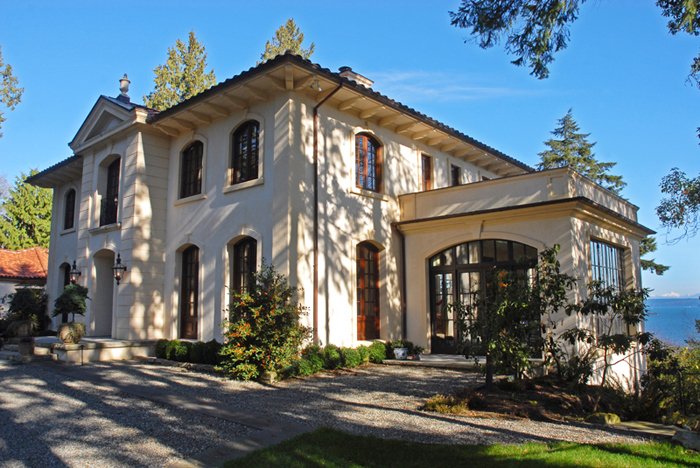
426,172
189,298
108,212
368,170
455,176
191,170
367,291
244,264
69,211
608,267
245,153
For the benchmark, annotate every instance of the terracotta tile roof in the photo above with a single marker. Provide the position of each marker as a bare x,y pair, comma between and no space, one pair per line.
24,264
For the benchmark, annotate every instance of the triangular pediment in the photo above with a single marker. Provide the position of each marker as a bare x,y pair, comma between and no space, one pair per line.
106,115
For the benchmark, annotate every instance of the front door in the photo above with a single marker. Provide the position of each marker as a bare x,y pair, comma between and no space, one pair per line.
189,293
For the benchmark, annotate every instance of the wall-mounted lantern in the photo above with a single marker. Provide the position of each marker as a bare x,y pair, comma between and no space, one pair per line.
119,269
74,274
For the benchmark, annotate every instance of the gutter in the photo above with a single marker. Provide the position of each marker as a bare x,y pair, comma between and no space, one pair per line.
315,301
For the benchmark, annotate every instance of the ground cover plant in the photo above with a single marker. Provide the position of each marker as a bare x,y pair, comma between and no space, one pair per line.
334,449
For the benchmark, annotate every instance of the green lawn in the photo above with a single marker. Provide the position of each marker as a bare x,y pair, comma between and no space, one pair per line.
331,448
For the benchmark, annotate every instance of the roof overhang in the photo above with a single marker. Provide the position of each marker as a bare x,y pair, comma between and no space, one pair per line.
58,174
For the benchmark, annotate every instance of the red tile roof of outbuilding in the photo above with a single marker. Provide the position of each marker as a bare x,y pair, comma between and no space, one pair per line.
24,264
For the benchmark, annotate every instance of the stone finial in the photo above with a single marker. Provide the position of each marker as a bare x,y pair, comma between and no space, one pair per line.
124,88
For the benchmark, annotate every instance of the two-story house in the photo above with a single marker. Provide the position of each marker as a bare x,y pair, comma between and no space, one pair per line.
379,213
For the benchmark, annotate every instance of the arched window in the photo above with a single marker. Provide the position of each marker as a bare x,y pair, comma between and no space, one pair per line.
108,213
189,293
367,291
69,210
460,271
244,264
245,152
368,166
191,170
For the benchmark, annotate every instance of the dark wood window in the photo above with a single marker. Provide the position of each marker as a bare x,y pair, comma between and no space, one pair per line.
108,213
426,172
457,273
608,267
368,165
367,291
189,293
455,176
66,281
191,170
244,264
69,211
246,152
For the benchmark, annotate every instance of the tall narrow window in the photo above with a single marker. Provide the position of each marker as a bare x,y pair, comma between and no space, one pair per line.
189,293
244,264
426,173
69,210
66,281
108,213
246,151
191,170
368,168
367,291
607,266
455,176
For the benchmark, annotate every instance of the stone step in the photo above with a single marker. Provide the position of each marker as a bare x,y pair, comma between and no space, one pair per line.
16,357
37,349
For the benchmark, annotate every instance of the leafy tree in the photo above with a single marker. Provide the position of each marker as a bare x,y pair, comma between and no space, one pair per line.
182,76
10,94
26,221
573,149
647,246
287,37
680,209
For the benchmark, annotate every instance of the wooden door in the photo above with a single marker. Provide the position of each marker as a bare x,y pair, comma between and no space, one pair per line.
367,292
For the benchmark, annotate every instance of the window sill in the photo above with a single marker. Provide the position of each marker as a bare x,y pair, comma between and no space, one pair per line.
193,198
67,231
106,228
243,185
369,194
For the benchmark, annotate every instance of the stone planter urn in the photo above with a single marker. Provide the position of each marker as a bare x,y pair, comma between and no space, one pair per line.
26,348
268,377
71,332
401,354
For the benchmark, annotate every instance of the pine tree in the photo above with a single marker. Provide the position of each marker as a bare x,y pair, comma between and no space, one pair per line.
573,149
182,76
10,94
27,219
287,37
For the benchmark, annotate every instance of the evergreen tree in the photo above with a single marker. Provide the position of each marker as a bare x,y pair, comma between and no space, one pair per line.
647,246
287,37
182,76
27,219
10,94
573,149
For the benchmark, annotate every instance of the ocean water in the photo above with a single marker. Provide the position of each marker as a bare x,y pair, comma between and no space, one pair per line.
673,320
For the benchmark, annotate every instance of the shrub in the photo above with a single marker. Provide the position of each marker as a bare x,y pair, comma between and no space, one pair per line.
212,352
28,304
364,353
377,352
71,301
313,355
162,349
263,332
178,350
197,352
331,357
350,357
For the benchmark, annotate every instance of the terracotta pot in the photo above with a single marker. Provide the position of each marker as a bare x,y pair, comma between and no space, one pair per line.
26,349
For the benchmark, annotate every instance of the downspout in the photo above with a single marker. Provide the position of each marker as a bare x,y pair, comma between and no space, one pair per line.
315,302
404,319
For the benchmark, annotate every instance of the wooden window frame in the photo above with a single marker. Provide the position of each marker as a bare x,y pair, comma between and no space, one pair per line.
110,203
245,254
455,176
368,163
69,210
368,285
191,169
189,291
245,157
426,163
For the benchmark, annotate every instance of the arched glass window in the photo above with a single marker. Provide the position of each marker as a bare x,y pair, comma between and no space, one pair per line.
244,264
368,167
191,170
460,271
189,293
367,291
110,203
69,210
245,152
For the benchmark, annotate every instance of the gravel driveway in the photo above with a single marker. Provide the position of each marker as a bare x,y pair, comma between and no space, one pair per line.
51,419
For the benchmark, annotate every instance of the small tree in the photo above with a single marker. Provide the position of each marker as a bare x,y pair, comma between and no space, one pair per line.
27,307
26,221
182,76
73,300
287,37
263,332
10,94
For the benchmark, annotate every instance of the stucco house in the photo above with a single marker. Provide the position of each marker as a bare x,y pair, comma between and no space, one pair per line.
379,213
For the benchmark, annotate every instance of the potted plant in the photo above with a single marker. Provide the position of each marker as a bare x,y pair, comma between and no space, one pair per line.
26,345
26,311
71,301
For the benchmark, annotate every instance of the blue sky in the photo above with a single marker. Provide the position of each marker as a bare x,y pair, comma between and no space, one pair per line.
623,75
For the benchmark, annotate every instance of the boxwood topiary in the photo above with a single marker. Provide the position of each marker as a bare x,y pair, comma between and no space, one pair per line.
212,352
364,353
198,352
331,357
162,349
377,352
351,357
